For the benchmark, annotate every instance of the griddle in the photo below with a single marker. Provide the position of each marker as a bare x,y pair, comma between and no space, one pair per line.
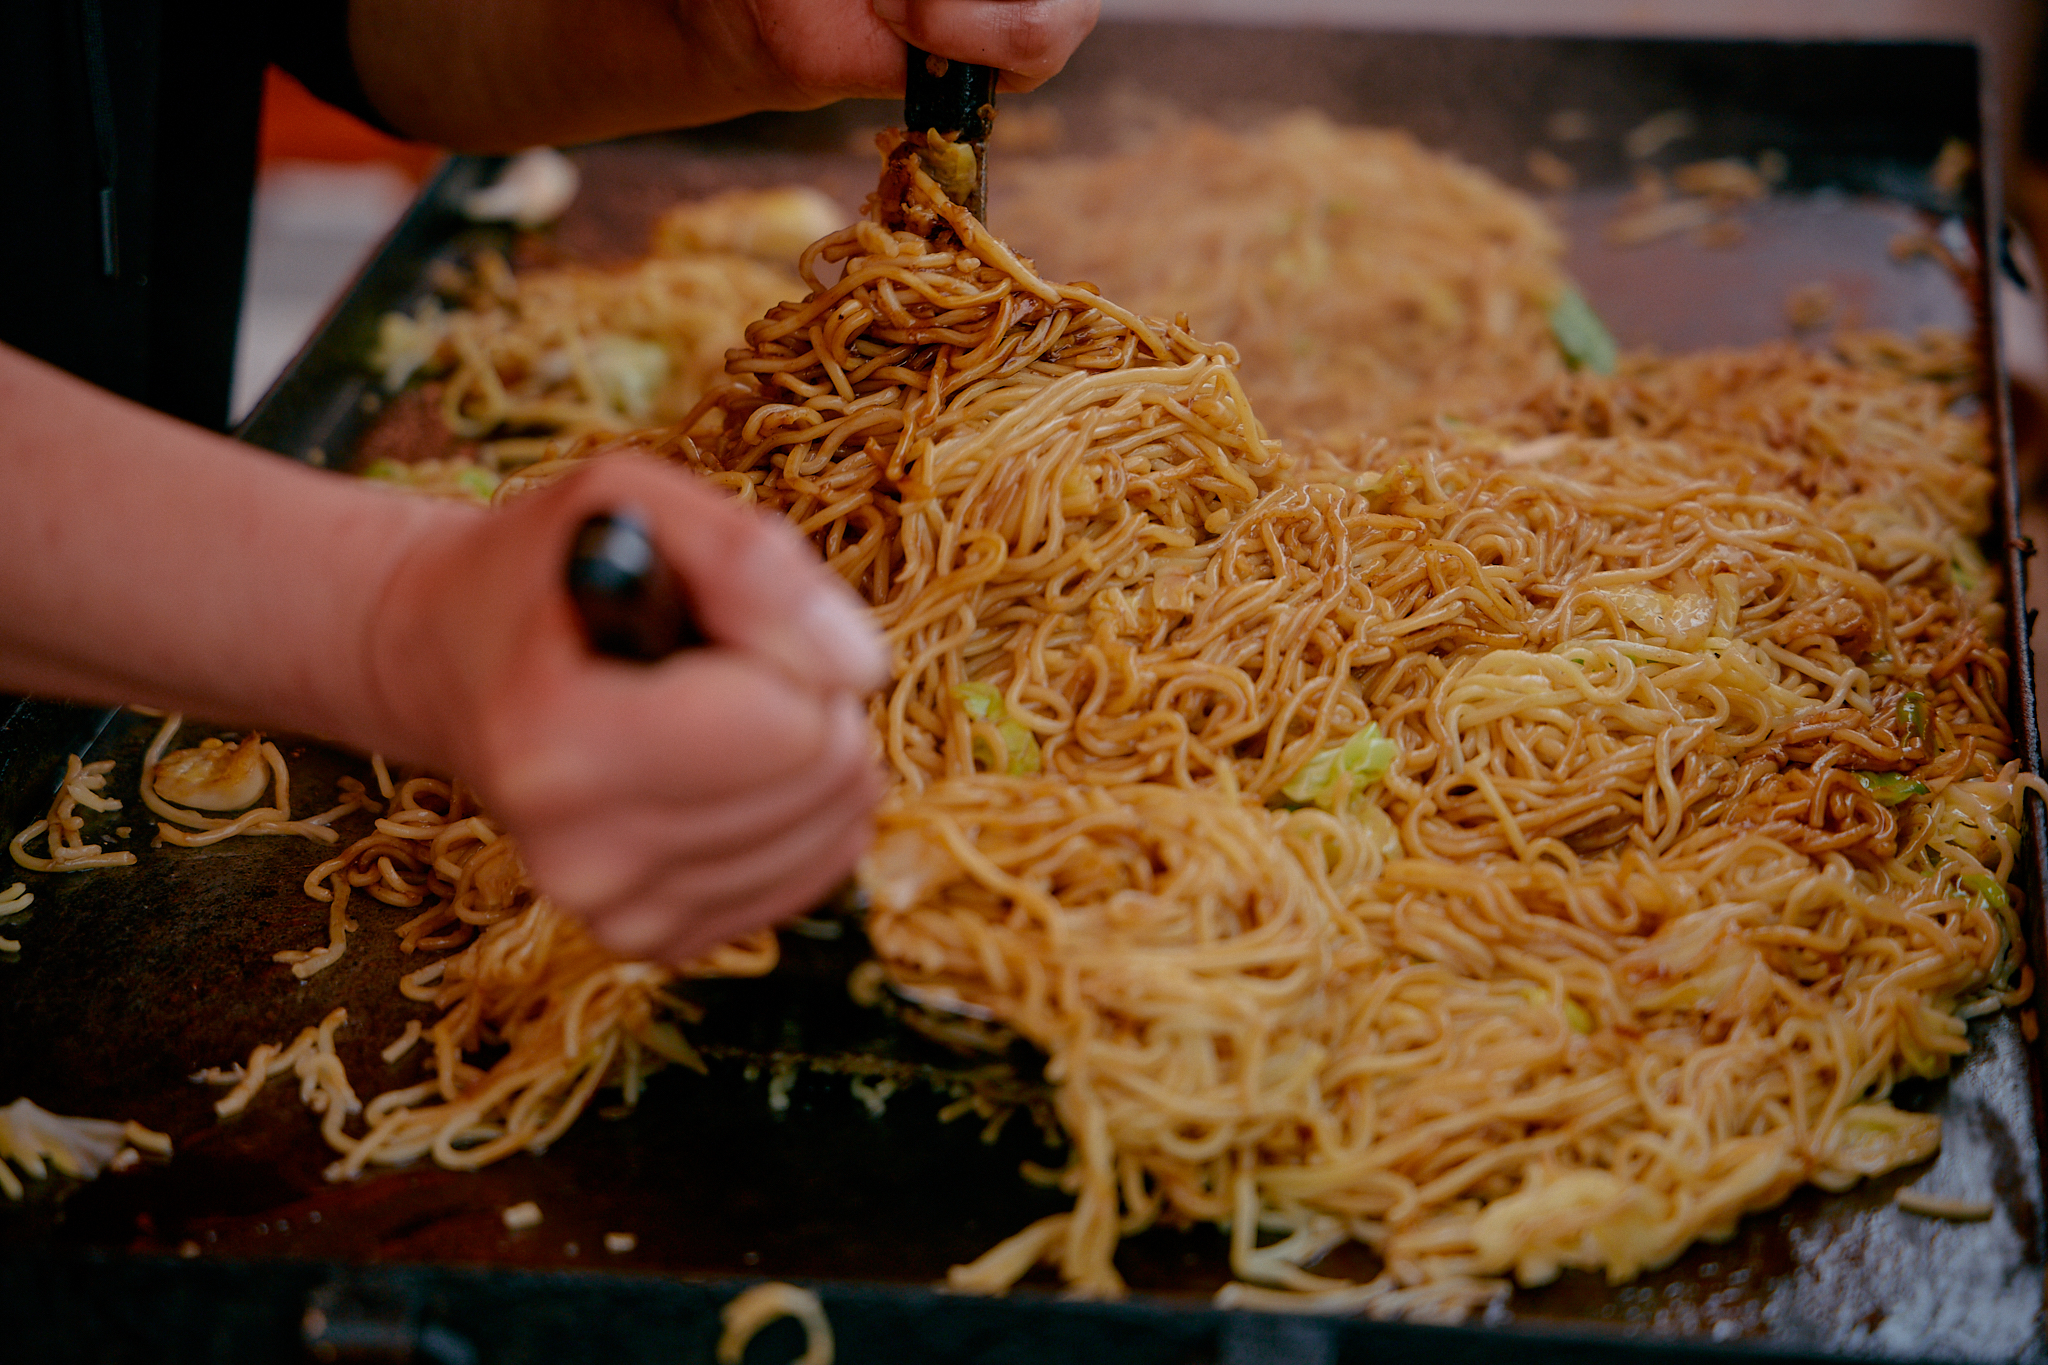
129,980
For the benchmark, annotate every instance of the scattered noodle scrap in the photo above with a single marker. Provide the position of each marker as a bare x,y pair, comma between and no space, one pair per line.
403,1043
1810,307
758,1305
1010,1260
1550,170
13,901
83,785
205,772
1941,1206
323,1084
37,1141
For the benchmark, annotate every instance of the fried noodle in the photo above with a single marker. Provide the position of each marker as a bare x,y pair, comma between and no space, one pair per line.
1523,843
1693,836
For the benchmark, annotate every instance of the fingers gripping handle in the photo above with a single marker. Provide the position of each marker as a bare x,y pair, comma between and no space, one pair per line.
630,602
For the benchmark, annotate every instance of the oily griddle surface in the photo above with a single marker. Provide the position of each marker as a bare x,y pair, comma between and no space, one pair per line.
129,980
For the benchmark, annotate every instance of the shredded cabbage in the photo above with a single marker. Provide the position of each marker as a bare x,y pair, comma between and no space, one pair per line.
1680,619
631,372
1892,788
984,701
1977,884
1584,339
1334,777
405,345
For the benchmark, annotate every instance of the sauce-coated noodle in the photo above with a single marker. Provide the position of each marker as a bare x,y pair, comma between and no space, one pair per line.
1690,842
1526,843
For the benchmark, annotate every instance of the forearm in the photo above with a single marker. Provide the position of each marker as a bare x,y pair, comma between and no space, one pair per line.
513,73
675,805
143,560
507,74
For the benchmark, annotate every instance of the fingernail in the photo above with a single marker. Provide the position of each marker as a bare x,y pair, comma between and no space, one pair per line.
828,636
848,646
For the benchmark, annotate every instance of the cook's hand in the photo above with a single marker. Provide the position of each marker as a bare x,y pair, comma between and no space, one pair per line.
501,76
832,49
677,804
674,805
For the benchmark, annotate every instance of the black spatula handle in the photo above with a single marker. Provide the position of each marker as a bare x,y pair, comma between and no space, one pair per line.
631,605
953,97
958,100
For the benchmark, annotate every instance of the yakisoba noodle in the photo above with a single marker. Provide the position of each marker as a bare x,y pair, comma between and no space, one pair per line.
1364,280
1534,848
39,1142
63,828
519,976
565,1017
1691,841
526,358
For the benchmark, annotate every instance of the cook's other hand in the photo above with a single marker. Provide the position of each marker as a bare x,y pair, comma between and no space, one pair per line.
512,73
674,805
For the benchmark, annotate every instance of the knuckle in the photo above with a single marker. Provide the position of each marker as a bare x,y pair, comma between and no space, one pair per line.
1040,34
1029,34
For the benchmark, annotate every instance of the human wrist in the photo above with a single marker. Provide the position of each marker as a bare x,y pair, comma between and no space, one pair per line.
406,683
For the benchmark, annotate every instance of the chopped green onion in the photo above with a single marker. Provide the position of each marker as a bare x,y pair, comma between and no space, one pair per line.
1892,788
385,470
1913,714
1584,339
1575,1015
1994,895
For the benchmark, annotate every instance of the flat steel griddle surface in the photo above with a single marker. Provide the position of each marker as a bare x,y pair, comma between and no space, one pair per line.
129,980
